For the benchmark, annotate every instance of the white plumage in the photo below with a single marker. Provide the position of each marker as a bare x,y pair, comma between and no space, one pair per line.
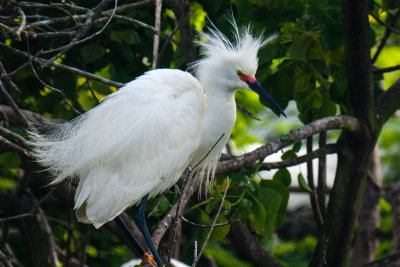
140,139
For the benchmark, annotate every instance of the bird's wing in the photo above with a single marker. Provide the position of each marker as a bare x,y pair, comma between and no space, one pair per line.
138,141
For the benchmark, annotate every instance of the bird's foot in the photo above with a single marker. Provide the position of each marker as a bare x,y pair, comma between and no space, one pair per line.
148,258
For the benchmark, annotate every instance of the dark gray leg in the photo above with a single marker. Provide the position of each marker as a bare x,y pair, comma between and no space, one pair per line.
143,228
128,233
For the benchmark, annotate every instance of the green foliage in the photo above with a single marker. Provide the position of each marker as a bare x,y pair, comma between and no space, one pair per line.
303,184
305,64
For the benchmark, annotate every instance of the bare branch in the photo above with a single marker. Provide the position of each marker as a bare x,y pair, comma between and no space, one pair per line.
5,131
346,122
384,261
388,103
166,222
157,26
14,106
206,225
77,71
384,24
5,259
23,22
246,112
7,79
7,114
36,206
384,70
321,190
92,15
248,246
385,37
328,149
76,40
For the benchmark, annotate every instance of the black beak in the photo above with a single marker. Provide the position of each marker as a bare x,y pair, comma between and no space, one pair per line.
256,87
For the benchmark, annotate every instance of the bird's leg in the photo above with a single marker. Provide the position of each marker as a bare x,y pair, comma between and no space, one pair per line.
143,228
130,236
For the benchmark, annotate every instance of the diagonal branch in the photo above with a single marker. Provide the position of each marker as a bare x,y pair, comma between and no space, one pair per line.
388,103
328,123
92,15
389,27
328,149
74,70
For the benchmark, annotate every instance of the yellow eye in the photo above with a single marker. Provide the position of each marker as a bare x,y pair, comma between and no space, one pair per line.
239,73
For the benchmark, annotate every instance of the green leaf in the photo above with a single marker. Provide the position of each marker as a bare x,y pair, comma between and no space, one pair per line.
283,176
127,36
298,51
258,217
303,81
210,206
290,154
245,205
303,184
278,187
91,53
271,202
221,231
10,160
296,147
162,208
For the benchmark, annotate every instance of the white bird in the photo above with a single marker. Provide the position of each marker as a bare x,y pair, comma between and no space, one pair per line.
140,139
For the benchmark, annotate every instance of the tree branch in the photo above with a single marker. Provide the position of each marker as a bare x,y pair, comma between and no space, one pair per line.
387,26
388,103
384,70
77,71
347,122
328,149
248,246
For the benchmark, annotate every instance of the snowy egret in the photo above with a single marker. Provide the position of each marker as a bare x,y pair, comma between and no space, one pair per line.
140,139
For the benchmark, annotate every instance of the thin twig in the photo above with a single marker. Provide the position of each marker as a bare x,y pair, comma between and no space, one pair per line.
208,152
384,24
5,259
321,190
205,225
14,106
385,37
36,205
15,136
160,197
247,113
23,22
42,61
328,149
345,122
7,79
310,178
195,249
384,70
13,147
60,91
384,261
75,41
196,260
157,26
185,186
92,91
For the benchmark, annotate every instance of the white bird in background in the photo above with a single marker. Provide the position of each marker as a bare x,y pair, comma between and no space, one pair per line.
140,139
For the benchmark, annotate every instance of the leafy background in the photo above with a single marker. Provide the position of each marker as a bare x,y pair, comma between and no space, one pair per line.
303,70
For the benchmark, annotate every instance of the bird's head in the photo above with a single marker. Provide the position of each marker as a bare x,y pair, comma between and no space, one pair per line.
232,65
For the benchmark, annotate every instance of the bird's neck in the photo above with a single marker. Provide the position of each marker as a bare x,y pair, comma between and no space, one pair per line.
220,115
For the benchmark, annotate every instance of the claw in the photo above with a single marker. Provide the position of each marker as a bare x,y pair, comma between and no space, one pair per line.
148,258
